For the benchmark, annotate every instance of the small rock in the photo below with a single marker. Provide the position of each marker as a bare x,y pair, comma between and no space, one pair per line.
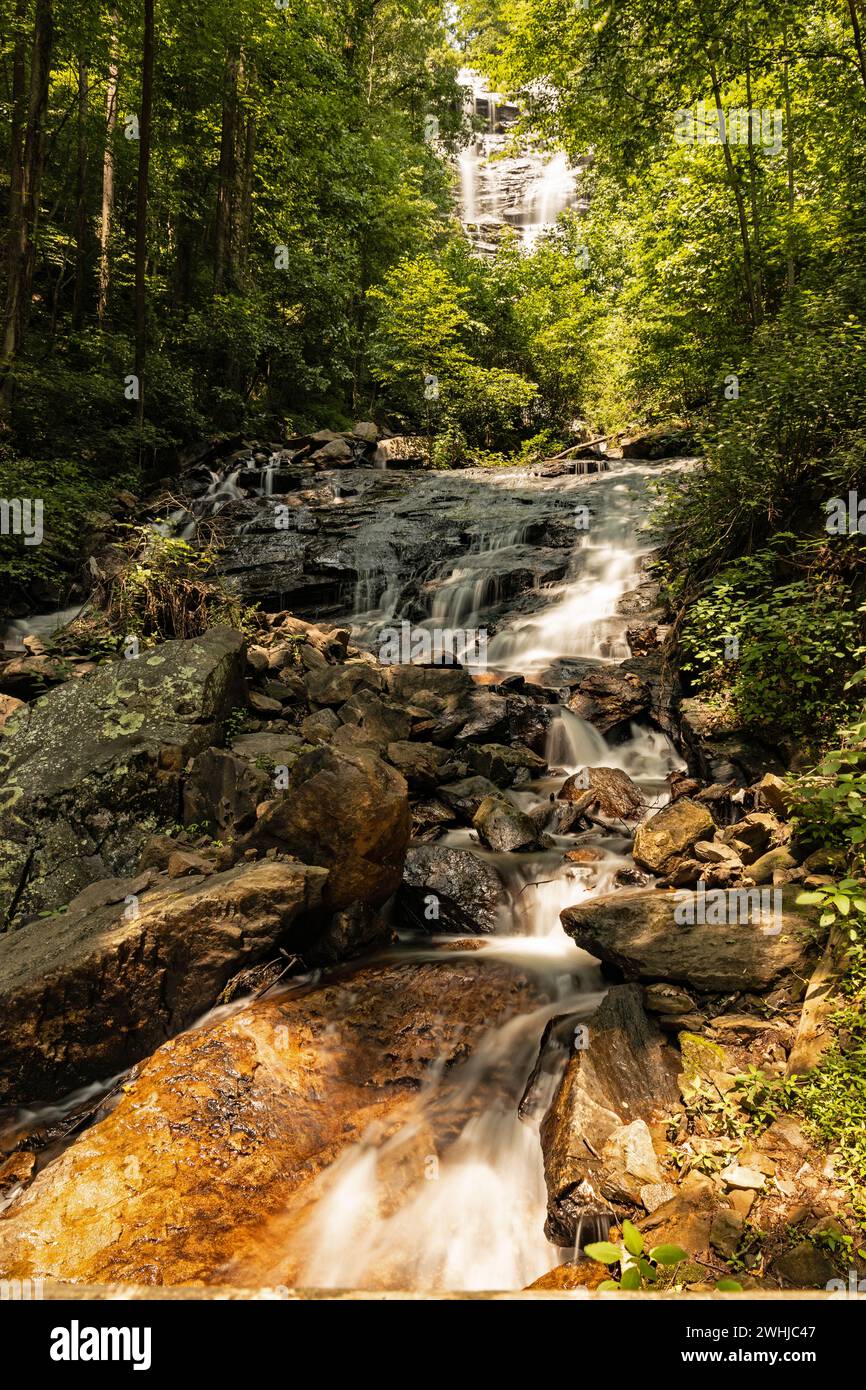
257,658
667,999
670,833
726,1232
742,1202
502,826
184,862
746,1179
263,704
763,869
655,1194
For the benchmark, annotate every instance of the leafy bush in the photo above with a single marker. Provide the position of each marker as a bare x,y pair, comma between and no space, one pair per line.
778,653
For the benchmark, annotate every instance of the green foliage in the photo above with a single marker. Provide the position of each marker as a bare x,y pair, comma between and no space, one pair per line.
642,1269
69,494
776,650
170,589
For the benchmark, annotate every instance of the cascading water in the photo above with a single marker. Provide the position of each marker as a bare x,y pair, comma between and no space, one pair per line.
502,187
470,1212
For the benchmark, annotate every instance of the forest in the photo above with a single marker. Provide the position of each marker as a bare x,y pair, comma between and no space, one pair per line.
328,326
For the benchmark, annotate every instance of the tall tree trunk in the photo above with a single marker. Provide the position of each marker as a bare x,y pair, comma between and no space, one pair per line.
755,311
144,131
21,248
18,125
789,157
753,176
858,38
245,195
226,175
81,227
107,178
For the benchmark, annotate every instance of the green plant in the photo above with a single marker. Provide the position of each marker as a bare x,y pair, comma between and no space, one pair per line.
638,1268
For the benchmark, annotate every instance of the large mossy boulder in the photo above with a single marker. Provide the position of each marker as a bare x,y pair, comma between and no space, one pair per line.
91,768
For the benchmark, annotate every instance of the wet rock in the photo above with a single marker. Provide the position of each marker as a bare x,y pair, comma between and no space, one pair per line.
578,1274
502,827
607,789
626,1073
347,811
84,994
466,796
16,1171
221,792
192,1177
94,766
671,833
450,890
610,699
637,933
501,764
631,1162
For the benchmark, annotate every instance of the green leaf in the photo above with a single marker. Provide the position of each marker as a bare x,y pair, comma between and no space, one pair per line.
632,1238
668,1255
608,1286
729,1286
808,899
630,1279
604,1252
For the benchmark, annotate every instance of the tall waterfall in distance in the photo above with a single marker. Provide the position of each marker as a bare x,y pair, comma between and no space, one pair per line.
501,186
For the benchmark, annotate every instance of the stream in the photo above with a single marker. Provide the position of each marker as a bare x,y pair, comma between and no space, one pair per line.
476,1219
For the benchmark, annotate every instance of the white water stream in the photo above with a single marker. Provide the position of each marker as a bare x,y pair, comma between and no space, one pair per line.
473,1218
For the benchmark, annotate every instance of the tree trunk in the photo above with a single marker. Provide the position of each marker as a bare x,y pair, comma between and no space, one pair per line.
226,175
753,177
21,243
16,137
858,38
144,131
734,180
81,228
789,157
107,178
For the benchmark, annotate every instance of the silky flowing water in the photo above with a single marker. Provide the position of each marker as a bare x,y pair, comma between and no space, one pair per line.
468,1214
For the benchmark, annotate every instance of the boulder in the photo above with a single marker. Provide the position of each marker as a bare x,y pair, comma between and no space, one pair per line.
503,827
670,834
94,766
446,889
422,764
466,796
613,792
503,764
382,720
201,1171
639,935
334,685
84,994
222,791
347,811
627,1073
610,699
